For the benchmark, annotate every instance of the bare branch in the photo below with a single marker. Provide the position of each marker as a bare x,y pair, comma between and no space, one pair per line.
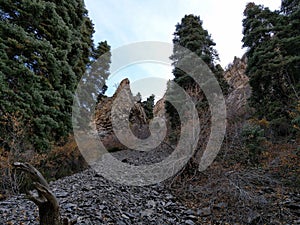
36,176
46,200
47,194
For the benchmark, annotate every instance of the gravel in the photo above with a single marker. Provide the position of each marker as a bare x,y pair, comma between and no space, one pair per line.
89,198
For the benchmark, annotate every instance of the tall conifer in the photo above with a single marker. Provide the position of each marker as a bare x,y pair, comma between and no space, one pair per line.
45,47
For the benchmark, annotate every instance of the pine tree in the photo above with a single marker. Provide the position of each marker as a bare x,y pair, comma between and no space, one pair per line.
290,7
101,59
191,35
273,42
148,106
45,46
92,86
291,42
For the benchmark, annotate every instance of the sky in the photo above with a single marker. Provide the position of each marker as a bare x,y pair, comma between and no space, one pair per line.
122,22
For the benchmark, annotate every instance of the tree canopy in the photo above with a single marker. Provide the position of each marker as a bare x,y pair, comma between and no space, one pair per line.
45,49
272,39
190,35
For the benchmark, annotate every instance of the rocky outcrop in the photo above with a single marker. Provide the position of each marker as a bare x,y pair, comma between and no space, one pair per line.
235,73
238,95
159,108
236,100
122,106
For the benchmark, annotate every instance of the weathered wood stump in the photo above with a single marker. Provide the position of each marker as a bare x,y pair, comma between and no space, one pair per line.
45,200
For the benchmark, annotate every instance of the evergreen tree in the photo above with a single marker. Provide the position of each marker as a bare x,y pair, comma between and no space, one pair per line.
291,41
93,87
273,41
45,46
191,35
290,7
148,106
101,59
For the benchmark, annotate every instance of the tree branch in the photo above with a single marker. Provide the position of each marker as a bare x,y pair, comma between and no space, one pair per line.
45,200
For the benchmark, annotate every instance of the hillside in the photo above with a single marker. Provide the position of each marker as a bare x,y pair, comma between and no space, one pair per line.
247,197
221,146
229,191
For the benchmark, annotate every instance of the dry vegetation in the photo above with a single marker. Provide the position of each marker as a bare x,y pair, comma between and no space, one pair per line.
234,188
59,162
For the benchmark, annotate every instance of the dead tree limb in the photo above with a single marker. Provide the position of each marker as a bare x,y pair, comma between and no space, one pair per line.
45,200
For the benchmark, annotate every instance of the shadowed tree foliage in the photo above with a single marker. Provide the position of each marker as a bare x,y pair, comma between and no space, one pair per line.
273,42
92,87
101,59
44,49
191,35
148,106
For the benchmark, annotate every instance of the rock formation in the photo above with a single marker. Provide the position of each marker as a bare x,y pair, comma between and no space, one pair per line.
123,100
236,100
159,108
122,106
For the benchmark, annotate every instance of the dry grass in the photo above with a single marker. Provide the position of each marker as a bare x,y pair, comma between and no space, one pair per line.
59,162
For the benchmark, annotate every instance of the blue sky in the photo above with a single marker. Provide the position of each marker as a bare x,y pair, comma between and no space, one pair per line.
122,22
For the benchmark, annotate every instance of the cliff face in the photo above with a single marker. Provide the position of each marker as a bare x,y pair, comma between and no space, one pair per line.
159,108
236,77
121,104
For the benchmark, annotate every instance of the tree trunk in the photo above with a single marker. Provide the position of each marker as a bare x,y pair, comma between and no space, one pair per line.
49,215
45,200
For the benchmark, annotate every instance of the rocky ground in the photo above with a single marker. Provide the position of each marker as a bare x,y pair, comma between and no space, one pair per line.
89,198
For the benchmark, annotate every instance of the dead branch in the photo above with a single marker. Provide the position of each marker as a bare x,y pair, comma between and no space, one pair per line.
45,200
